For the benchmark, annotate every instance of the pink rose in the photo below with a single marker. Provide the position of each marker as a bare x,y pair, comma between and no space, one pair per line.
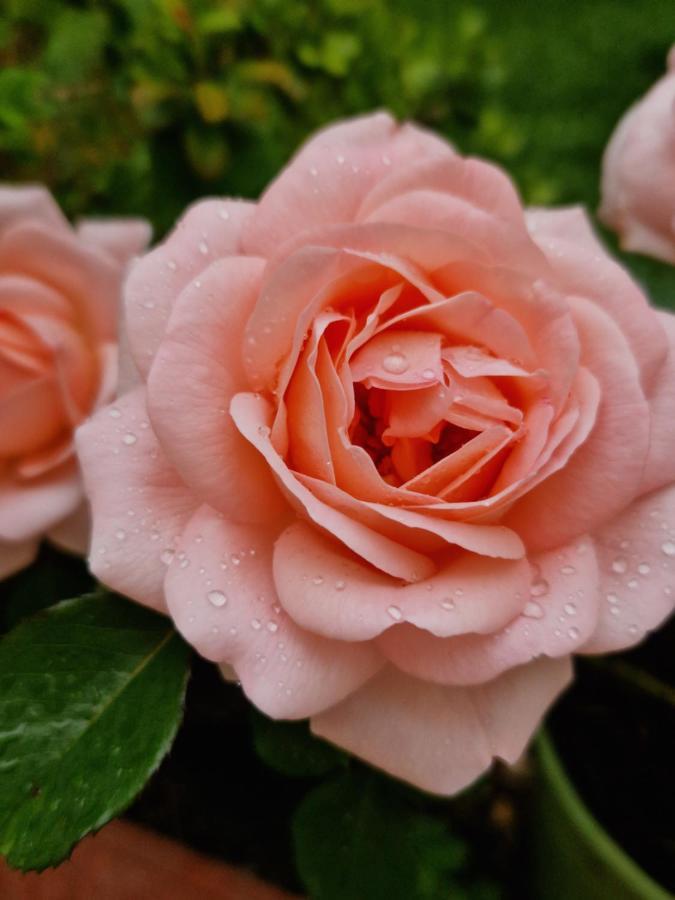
396,451
59,302
638,179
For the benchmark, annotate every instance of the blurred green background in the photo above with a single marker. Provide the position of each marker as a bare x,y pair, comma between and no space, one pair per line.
139,106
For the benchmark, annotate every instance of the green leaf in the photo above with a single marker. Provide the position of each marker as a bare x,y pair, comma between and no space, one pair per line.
290,748
91,695
360,836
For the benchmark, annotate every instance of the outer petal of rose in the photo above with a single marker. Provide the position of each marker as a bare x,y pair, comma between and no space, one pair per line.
209,230
660,468
600,478
14,557
89,277
221,595
252,417
139,504
482,187
195,373
442,738
28,508
121,238
29,202
72,534
555,622
328,591
637,572
584,268
327,180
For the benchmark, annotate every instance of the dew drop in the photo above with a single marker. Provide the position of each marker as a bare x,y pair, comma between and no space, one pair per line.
129,439
203,248
573,633
395,363
448,605
612,599
256,624
668,547
172,265
395,613
272,627
120,534
166,556
428,375
533,610
216,598
643,569
620,565
318,579
114,412
540,588
568,570
633,584
570,609
340,585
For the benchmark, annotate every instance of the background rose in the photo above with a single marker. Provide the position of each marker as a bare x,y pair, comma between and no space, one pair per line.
396,454
638,179
59,305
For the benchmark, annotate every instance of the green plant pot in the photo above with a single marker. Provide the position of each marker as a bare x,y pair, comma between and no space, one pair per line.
574,857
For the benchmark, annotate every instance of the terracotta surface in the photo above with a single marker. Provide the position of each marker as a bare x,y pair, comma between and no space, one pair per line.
125,862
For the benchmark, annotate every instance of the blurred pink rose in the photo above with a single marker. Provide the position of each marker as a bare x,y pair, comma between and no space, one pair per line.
638,179
395,452
60,294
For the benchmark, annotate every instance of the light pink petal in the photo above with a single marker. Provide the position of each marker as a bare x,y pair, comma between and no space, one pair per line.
221,595
328,178
583,267
29,203
20,294
442,738
328,591
482,188
252,416
31,507
195,373
209,230
89,278
14,557
602,476
73,532
139,505
427,533
660,467
558,618
636,553
399,361
121,238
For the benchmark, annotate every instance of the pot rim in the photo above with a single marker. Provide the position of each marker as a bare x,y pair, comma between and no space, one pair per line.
592,831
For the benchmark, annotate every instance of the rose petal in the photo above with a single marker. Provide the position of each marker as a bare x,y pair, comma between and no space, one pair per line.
660,467
195,373
636,554
442,738
558,618
221,595
209,230
330,592
121,238
327,180
139,504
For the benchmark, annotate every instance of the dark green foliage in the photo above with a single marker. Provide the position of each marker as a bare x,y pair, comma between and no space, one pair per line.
91,695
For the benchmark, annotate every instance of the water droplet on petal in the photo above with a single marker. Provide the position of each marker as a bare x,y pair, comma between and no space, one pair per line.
203,248
573,633
570,609
256,624
340,585
395,613
612,599
114,412
120,534
668,547
568,570
533,610
395,363
539,588
620,565
643,569
318,579
217,598
272,627
428,375
166,556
